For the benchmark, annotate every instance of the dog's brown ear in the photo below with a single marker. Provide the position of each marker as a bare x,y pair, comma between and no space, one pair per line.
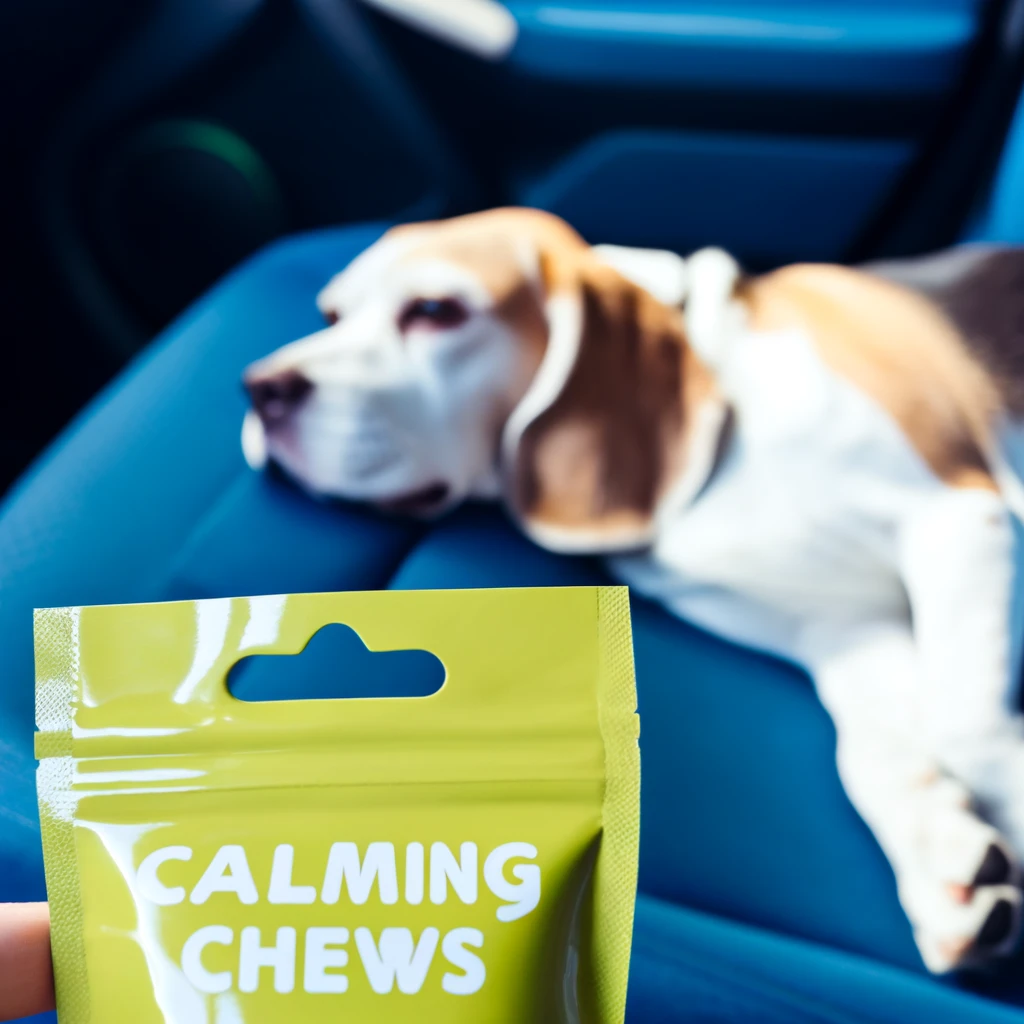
595,441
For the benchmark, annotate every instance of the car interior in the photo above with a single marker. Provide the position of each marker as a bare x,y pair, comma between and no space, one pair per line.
180,179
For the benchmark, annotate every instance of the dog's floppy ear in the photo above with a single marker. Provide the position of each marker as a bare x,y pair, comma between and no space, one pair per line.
592,446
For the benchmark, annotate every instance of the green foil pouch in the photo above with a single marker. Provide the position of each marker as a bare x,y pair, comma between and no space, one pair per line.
468,856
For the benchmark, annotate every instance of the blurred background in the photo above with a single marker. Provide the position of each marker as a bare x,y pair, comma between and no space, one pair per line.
150,145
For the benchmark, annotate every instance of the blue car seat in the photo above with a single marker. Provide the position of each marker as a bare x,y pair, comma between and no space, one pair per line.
763,897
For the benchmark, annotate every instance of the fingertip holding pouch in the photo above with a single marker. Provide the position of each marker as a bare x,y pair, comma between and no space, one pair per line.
469,855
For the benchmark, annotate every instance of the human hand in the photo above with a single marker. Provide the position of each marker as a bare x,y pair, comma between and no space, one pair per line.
26,971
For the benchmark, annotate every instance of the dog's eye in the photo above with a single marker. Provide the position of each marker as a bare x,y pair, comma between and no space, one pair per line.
332,316
432,314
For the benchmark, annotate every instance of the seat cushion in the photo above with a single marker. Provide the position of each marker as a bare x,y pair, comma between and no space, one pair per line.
753,862
688,966
148,486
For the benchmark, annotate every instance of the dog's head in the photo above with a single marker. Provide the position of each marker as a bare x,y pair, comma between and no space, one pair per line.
490,355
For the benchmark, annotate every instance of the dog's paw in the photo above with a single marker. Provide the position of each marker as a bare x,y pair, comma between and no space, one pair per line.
973,935
965,899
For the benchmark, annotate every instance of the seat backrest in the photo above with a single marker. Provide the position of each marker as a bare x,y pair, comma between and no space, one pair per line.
1001,219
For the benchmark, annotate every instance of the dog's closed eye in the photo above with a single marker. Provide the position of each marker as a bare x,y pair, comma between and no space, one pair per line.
432,314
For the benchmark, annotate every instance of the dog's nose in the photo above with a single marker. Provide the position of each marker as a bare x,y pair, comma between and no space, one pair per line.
275,397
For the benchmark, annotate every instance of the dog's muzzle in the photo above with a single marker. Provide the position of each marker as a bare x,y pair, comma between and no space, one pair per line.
276,397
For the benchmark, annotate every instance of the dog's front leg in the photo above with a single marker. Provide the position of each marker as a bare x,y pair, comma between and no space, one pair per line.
868,675
960,562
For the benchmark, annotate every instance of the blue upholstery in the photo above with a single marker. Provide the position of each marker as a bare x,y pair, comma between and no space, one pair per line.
812,196
765,896
1002,217
768,193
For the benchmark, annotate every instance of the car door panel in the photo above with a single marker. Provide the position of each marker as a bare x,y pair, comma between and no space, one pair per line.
871,48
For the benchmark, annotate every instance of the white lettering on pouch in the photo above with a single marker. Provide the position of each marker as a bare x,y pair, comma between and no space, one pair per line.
343,865
282,889
321,953
394,959
455,952
521,898
192,959
229,872
150,887
397,958
280,957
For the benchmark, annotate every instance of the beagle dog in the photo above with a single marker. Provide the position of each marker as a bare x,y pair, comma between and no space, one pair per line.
819,462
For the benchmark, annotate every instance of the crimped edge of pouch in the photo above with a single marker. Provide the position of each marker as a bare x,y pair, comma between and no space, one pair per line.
615,879
57,683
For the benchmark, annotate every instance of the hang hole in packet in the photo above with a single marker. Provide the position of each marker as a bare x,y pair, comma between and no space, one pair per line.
465,856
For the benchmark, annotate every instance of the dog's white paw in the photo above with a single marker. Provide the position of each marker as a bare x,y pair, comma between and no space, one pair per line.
963,894
975,934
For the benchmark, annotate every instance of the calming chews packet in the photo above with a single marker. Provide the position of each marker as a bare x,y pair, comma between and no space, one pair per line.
470,856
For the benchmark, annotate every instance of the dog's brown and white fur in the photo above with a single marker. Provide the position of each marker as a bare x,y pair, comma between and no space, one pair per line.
818,462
